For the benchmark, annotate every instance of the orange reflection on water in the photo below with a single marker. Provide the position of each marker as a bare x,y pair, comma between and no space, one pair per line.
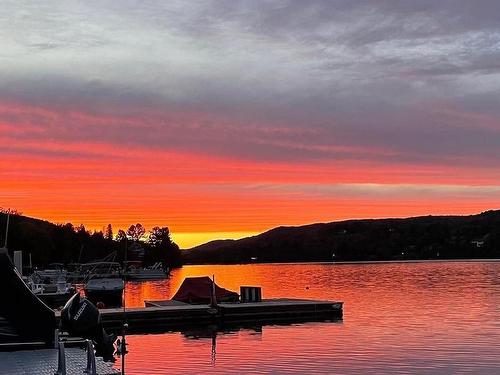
398,317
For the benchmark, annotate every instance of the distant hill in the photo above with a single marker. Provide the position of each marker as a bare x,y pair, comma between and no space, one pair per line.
48,242
426,237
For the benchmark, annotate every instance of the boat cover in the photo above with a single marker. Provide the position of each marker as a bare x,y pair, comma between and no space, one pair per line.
23,317
199,290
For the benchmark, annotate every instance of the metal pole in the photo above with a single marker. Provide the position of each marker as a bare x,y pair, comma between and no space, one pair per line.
123,345
61,360
91,366
213,298
124,324
7,230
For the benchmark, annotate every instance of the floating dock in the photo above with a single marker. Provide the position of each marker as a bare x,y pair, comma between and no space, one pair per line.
177,314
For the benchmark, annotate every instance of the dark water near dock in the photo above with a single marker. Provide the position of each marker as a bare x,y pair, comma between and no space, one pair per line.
399,318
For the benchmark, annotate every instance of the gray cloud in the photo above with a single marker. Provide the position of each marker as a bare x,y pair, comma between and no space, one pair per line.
263,80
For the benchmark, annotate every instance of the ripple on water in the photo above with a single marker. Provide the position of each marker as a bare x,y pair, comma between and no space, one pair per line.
399,318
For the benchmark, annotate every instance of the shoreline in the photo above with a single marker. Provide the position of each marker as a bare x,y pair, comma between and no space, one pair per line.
453,260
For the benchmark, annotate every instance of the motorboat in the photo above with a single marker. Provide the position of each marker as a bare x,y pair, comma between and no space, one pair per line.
134,271
100,270
104,284
54,293
53,272
107,291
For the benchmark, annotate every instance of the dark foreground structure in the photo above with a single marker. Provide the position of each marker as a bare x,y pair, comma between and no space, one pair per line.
23,317
29,340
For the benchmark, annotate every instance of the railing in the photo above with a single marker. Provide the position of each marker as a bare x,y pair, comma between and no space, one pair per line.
91,368
61,359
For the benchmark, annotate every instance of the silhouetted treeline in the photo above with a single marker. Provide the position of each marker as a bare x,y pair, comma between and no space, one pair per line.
51,243
428,237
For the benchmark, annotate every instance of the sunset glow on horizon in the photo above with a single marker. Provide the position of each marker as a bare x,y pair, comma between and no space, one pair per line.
226,119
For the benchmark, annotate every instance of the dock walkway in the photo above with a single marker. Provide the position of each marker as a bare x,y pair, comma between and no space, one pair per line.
44,362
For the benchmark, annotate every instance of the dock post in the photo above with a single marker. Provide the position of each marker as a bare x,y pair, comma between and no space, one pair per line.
61,360
213,295
91,367
56,338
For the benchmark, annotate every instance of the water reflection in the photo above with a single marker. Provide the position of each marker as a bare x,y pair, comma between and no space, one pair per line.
430,318
209,332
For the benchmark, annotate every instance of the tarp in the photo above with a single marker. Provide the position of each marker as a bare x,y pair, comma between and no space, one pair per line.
23,316
199,290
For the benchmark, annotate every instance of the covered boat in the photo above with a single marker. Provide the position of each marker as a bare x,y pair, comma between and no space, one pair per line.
200,289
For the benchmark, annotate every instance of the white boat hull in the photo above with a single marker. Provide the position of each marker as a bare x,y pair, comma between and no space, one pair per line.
107,291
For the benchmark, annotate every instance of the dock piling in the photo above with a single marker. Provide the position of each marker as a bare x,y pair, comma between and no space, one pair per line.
61,360
91,367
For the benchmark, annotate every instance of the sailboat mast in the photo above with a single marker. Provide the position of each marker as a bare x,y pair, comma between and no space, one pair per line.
7,230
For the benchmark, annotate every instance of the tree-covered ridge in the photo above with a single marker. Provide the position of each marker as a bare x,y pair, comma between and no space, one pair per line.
427,237
66,243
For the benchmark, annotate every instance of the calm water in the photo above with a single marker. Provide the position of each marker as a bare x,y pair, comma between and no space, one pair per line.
399,318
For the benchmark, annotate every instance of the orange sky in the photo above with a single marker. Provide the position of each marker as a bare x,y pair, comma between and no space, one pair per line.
202,197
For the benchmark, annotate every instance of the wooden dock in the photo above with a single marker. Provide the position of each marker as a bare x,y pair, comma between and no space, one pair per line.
177,314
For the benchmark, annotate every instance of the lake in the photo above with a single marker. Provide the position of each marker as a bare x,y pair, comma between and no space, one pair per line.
399,318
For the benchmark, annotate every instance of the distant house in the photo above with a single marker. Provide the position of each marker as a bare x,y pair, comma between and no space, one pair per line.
477,243
480,242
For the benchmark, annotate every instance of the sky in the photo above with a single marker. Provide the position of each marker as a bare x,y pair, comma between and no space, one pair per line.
222,119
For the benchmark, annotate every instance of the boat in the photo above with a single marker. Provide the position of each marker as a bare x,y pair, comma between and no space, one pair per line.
134,271
53,272
104,284
54,293
75,274
106,291
93,270
198,291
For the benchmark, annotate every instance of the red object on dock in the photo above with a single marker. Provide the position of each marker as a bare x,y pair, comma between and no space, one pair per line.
199,290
